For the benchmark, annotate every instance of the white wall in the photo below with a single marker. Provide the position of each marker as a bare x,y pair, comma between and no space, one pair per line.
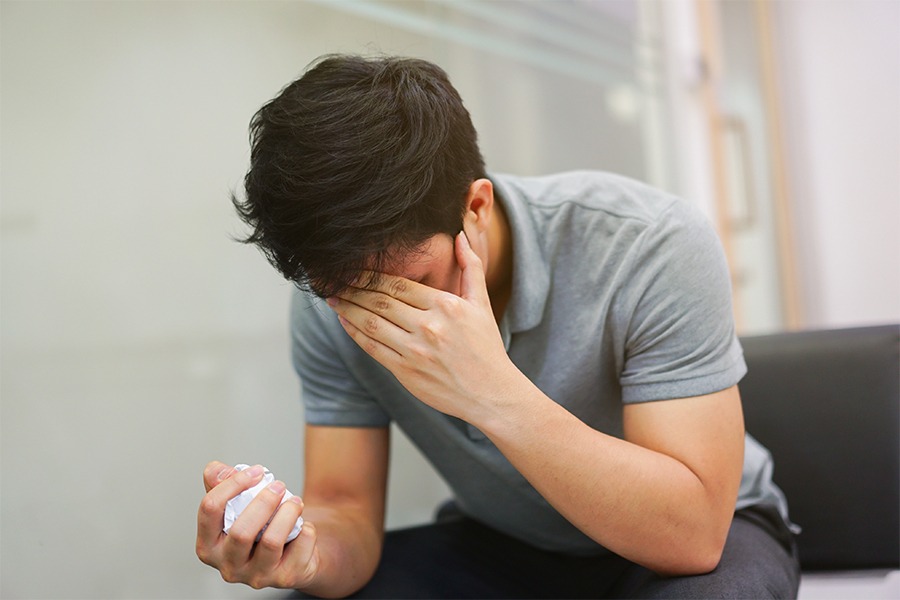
840,87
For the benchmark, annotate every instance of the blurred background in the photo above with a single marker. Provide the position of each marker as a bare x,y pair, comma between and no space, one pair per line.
138,341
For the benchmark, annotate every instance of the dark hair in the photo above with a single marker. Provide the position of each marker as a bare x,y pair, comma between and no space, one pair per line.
357,163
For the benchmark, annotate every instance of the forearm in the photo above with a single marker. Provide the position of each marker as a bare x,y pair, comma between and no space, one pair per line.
671,486
349,549
639,503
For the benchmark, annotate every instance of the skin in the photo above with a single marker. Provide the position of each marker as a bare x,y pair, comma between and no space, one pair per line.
662,497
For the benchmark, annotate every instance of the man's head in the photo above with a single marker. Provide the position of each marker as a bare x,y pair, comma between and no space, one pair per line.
355,166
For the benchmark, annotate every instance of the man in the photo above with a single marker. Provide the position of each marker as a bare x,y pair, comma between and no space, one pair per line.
560,348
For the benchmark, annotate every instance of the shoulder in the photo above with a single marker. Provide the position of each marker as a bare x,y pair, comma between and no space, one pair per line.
596,211
313,323
317,335
307,310
605,194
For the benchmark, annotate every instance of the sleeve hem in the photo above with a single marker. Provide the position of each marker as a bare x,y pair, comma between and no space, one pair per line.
328,418
685,388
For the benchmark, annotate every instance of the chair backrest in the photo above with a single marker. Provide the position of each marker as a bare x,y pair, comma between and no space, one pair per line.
827,405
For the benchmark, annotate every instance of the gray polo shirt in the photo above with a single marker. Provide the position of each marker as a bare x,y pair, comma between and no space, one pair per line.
620,294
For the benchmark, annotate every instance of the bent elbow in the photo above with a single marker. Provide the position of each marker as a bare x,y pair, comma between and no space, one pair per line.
706,563
694,561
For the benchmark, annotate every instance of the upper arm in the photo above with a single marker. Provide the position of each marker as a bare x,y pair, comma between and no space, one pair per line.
705,433
333,394
674,317
347,467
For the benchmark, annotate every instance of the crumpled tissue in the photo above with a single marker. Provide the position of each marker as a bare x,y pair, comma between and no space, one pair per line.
235,506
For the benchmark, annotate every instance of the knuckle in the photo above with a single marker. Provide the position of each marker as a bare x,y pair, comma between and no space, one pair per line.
309,531
397,287
420,353
286,578
448,303
242,536
279,580
370,346
229,575
269,543
208,507
382,304
203,554
433,330
371,324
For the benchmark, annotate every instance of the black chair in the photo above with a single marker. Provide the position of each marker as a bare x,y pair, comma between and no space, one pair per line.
825,403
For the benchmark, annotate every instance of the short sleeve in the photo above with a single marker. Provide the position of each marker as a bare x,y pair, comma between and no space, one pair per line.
679,335
331,394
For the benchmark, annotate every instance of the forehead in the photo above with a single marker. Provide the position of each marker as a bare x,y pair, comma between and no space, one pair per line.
434,255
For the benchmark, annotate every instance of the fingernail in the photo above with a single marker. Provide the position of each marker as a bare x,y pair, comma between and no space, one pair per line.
276,487
255,472
297,500
332,301
224,473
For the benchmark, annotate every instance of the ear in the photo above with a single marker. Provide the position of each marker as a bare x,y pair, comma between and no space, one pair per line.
480,204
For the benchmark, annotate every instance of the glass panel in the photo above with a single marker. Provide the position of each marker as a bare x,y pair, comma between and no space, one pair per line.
551,85
744,126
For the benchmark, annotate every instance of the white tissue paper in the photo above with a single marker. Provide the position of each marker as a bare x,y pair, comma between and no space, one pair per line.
235,506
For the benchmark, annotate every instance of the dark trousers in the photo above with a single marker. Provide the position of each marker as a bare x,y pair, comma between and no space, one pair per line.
461,558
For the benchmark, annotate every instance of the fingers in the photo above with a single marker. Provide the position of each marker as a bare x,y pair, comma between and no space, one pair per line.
270,548
405,290
472,280
237,555
243,533
211,515
370,338
302,551
368,323
297,563
378,303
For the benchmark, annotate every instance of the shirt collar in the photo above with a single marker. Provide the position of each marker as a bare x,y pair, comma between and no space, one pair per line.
530,272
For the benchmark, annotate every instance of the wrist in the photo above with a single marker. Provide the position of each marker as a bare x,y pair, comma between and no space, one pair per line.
513,402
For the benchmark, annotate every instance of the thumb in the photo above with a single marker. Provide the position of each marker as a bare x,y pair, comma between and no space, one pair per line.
472,282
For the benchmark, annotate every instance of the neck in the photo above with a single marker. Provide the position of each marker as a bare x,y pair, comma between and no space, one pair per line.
500,265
